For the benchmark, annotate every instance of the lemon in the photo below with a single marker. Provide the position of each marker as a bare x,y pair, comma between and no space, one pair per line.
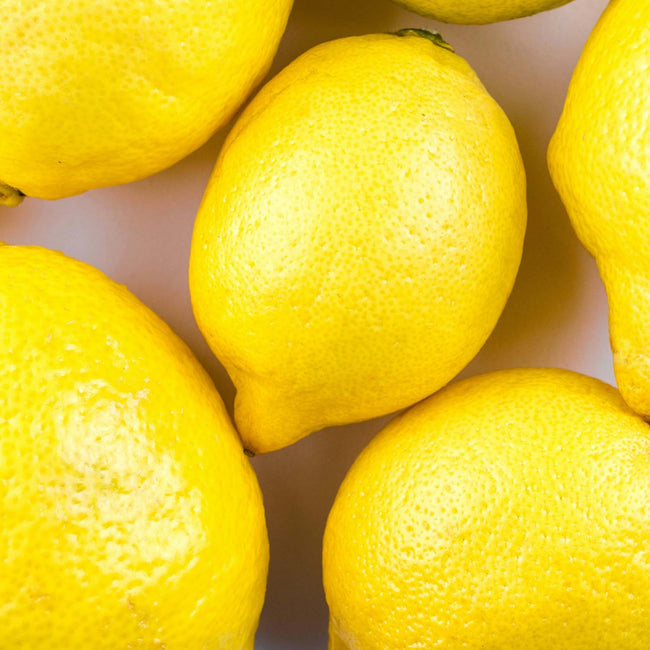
479,11
600,163
360,234
510,511
130,515
102,92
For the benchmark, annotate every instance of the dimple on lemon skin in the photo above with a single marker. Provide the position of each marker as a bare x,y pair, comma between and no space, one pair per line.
509,510
131,517
360,235
599,161
104,92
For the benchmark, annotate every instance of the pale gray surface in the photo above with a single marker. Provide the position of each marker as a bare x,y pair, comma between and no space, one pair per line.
557,316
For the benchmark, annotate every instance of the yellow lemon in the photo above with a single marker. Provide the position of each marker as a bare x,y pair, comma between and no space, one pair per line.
599,159
130,515
479,11
101,92
510,511
360,234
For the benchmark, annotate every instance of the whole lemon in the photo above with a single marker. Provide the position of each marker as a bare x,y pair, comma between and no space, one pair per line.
101,92
510,511
479,11
130,515
599,159
360,234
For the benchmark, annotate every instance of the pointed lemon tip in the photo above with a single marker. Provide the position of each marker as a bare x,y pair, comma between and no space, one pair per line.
10,196
628,294
632,372
265,422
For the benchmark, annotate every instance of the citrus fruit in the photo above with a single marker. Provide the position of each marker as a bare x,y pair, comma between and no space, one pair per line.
509,511
600,163
360,234
102,92
479,11
130,515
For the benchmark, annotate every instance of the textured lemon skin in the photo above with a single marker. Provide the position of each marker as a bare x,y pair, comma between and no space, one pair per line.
359,236
509,511
479,12
102,92
130,515
600,163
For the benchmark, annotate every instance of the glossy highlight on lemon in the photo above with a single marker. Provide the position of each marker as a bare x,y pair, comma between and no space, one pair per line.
360,234
600,163
103,92
131,517
509,511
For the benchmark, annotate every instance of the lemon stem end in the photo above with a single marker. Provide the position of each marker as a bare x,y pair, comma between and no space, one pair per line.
434,37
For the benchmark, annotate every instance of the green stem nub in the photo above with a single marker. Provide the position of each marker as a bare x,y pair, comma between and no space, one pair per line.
10,196
434,37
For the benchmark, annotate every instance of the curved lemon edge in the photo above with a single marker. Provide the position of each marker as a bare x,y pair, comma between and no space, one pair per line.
335,642
628,297
488,20
10,196
250,644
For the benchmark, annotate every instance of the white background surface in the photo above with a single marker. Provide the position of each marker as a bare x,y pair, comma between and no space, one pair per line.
139,234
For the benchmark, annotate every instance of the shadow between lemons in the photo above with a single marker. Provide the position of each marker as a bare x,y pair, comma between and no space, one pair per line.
317,21
139,234
299,484
555,279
